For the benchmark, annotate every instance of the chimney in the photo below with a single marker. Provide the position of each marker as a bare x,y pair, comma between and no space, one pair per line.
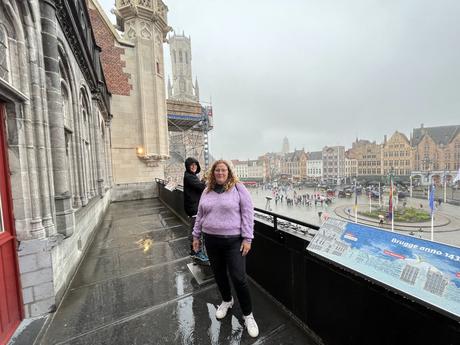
421,125
385,139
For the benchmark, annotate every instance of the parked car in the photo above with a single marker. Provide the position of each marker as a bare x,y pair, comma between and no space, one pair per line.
402,195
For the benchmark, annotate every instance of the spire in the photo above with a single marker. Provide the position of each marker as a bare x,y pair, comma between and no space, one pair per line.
197,90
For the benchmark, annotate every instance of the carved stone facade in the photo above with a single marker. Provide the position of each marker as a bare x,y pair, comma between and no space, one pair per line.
140,128
58,128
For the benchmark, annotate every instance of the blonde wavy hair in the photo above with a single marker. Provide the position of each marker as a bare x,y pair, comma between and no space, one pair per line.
232,179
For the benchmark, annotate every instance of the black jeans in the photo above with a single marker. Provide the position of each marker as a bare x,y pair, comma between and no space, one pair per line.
190,237
224,255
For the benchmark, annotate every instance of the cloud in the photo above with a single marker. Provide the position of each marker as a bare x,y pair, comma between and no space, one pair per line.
321,72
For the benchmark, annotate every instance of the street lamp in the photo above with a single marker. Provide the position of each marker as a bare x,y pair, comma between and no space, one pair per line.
426,163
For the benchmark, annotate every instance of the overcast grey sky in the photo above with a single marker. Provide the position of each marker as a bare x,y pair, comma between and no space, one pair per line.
321,72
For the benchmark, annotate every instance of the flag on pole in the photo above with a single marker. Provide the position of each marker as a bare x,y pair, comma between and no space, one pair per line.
431,200
390,202
356,204
431,203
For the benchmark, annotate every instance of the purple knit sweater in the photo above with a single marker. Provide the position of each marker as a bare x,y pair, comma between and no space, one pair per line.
228,213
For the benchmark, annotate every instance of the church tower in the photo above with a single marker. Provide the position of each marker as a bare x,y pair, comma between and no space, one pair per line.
285,148
144,25
182,88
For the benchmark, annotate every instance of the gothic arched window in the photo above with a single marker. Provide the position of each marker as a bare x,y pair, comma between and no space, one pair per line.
4,57
174,56
186,57
180,56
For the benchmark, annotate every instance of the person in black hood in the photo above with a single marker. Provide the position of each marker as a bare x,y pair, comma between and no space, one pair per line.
193,188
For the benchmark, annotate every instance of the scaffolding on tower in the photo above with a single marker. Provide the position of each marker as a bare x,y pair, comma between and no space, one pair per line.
189,124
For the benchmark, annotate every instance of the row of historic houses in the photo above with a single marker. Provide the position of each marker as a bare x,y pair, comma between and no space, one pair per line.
82,124
430,154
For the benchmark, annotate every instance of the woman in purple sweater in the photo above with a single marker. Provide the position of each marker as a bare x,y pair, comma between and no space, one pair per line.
226,218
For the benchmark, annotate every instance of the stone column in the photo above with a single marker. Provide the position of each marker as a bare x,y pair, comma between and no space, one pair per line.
91,153
108,150
63,202
80,160
39,106
98,148
25,118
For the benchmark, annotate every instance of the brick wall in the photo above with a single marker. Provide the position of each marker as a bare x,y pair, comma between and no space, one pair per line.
117,81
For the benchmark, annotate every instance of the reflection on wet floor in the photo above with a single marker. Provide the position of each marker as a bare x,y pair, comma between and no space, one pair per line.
134,287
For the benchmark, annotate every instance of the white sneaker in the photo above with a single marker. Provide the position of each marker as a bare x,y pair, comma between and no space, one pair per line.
251,325
222,310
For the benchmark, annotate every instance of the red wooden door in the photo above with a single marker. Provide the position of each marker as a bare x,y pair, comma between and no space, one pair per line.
10,299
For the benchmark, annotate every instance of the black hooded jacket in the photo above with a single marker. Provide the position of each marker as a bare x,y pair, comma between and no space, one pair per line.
193,188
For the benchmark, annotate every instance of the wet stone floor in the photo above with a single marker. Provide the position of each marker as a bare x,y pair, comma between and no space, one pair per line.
134,288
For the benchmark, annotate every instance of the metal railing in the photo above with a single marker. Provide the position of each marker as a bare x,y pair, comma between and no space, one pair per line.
338,306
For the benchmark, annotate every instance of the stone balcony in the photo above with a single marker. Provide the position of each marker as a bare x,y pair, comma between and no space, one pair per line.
135,287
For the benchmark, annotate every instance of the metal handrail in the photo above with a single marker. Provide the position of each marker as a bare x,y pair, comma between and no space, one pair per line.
289,219
275,216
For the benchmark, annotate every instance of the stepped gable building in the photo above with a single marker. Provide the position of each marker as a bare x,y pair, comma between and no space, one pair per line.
55,161
397,155
436,148
369,157
134,65
294,164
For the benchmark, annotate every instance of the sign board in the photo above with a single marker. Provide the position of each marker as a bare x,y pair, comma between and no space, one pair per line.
426,270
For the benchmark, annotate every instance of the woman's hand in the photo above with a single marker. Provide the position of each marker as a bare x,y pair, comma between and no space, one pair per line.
245,247
196,243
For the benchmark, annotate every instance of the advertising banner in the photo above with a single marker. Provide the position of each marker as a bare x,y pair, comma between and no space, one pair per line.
426,270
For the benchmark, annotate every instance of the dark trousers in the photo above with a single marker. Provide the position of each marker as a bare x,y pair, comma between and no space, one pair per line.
225,258
190,237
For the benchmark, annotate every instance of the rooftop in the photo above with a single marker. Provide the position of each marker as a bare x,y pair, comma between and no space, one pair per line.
441,135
